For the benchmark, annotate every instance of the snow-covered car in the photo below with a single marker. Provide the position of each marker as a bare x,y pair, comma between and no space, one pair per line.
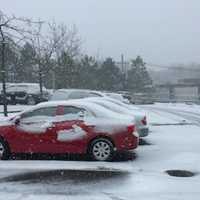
117,96
114,105
140,118
68,127
26,93
68,94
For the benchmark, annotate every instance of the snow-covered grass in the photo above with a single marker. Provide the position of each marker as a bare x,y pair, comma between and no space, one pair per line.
172,147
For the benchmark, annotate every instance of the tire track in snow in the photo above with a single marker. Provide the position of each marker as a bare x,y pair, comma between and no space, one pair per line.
194,117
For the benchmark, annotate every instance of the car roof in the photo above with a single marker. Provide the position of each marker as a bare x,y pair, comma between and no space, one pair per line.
98,110
69,91
78,90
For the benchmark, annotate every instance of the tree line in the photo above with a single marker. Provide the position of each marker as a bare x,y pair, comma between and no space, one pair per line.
50,54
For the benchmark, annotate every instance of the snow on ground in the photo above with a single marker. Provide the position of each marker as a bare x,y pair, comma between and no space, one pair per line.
179,106
178,112
64,165
172,147
155,117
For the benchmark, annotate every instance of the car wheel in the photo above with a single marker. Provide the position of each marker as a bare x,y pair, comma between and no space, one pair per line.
31,101
4,150
101,149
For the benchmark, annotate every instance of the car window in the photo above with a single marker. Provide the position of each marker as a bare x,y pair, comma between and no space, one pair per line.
72,112
47,111
59,95
78,95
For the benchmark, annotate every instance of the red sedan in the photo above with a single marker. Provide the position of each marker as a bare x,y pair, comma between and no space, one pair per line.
68,127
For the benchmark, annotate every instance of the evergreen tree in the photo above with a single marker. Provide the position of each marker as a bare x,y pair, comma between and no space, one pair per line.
109,76
138,76
66,72
88,76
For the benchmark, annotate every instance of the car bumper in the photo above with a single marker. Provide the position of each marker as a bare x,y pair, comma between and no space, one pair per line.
143,132
126,143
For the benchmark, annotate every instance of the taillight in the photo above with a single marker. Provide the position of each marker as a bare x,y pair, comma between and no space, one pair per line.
144,121
131,128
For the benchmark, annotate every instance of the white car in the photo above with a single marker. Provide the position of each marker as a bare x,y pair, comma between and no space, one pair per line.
140,118
115,105
118,97
26,93
68,94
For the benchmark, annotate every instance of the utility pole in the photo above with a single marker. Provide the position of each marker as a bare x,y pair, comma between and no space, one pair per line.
123,66
122,63
3,73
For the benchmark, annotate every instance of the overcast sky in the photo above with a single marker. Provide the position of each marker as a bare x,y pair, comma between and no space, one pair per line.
161,31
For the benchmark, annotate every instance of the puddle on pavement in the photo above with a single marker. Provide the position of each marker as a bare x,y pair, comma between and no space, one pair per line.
180,173
64,175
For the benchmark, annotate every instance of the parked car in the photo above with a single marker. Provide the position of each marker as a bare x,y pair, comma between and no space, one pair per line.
118,96
68,127
115,105
67,94
26,93
140,118
142,98
112,104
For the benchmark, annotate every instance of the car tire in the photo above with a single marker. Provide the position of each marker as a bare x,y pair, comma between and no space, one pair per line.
30,101
4,150
101,149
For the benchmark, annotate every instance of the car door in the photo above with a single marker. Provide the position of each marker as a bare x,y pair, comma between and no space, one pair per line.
35,131
70,133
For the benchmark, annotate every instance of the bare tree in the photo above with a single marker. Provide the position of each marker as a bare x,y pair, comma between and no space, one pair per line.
49,41
65,39
15,30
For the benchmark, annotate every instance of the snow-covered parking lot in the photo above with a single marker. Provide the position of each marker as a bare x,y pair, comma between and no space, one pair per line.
173,143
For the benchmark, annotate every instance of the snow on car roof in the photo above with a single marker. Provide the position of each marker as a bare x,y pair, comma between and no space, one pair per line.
109,104
25,84
29,87
98,110
116,108
80,90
